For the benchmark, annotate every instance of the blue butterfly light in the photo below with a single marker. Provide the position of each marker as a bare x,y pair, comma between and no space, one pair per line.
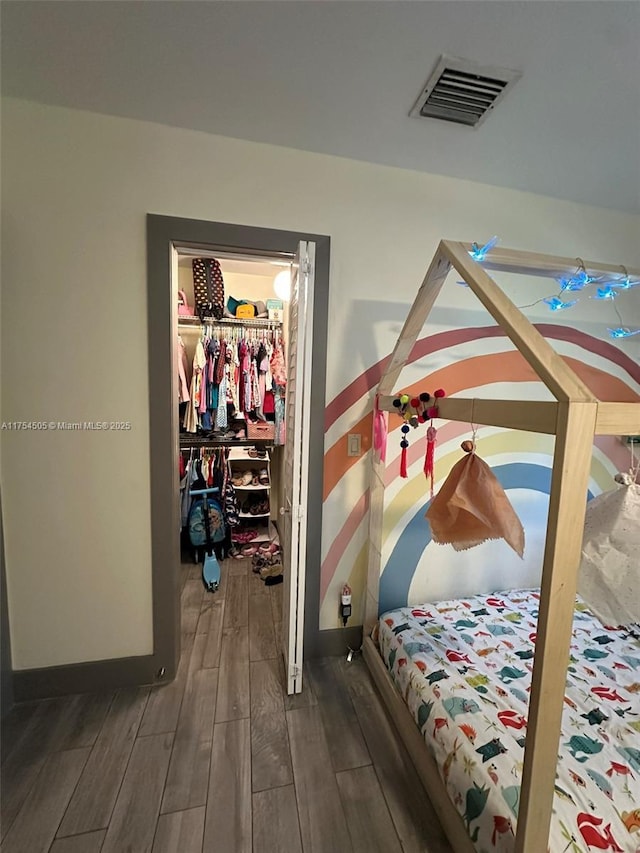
557,304
578,281
479,253
606,292
625,283
621,332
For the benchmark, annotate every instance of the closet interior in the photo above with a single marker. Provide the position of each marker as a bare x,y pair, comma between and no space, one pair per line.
232,385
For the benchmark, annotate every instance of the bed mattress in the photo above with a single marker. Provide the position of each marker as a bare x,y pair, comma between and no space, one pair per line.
464,669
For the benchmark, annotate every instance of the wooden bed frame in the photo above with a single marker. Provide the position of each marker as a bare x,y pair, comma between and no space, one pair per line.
575,417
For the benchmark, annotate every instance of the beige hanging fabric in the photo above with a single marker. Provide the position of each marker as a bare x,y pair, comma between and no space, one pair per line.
609,579
472,507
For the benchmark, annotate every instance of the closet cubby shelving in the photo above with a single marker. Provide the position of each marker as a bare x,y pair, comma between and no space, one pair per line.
239,462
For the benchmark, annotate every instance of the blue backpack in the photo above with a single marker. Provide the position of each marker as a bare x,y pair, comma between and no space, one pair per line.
196,523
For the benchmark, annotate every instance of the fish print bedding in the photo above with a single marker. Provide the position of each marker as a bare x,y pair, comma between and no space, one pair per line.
464,670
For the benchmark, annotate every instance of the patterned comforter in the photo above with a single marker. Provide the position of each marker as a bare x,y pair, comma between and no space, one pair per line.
464,670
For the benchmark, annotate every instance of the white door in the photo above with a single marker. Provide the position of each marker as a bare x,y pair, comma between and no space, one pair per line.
296,462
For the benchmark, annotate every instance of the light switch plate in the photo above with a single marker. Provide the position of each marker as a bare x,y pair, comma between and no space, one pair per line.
354,444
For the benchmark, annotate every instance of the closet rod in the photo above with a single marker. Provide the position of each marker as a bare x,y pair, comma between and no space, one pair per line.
228,322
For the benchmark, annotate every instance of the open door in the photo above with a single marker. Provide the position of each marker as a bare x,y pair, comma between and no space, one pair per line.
296,462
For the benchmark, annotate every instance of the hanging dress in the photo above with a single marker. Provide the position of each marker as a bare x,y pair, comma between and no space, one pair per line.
192,419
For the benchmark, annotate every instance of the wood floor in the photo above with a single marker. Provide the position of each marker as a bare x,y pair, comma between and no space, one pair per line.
221,759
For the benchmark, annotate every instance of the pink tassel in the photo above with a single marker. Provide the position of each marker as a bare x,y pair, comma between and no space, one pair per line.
380,429
430,455
403,463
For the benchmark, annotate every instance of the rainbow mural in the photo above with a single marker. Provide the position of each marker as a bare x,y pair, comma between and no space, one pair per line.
477,362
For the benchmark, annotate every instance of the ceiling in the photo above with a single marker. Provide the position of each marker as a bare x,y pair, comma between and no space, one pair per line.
340,77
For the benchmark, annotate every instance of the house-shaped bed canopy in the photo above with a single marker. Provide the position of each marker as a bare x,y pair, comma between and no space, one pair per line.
574,418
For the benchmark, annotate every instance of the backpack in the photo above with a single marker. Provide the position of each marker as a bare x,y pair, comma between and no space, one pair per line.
196,523
208,287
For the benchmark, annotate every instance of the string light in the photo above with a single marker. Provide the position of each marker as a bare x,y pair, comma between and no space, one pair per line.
557,304
606,292
479,253
625,284
620,332
610,289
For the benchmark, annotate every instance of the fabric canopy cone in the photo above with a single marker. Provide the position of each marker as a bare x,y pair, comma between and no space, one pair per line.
472,507
609,579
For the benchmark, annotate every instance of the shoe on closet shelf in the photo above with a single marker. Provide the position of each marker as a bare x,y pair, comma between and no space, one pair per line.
263,477
242,537
243,479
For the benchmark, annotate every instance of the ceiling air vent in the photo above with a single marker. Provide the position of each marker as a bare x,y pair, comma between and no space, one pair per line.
463,92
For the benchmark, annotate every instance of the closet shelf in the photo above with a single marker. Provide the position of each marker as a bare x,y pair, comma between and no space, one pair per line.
269,535
252,488
250,322
239,454
187,441
252,515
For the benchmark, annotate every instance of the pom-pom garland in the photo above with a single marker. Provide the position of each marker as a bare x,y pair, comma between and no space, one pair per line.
415,411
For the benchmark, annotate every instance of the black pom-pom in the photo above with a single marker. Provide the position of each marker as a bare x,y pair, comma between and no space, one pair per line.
404,428
404,443
425,397
397,403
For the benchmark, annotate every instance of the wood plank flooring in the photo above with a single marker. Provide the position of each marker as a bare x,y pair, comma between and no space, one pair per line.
221,760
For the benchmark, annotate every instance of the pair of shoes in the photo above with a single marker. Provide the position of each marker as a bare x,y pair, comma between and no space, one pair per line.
263,477
271,570
261,560
243,479
272,581
249,550
259,508
269,548
256,453
243,537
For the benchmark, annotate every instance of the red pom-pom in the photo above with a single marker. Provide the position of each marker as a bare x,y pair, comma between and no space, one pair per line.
439,393
422,418
415,402
432,412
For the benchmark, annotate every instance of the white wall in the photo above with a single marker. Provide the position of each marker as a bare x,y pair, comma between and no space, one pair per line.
76,188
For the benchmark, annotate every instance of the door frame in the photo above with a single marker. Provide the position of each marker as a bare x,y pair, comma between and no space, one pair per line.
163,234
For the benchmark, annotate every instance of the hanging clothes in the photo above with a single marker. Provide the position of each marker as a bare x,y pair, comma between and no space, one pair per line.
278,366
279,404
183,372
192,418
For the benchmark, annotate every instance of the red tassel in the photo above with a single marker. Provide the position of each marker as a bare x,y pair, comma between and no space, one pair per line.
430,455
403,463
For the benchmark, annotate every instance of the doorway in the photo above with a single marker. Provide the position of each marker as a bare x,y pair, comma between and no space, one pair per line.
166,237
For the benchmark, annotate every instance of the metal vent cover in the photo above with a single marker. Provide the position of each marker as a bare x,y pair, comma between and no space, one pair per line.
462,91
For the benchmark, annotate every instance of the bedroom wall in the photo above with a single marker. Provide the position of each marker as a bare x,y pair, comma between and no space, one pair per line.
76,187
